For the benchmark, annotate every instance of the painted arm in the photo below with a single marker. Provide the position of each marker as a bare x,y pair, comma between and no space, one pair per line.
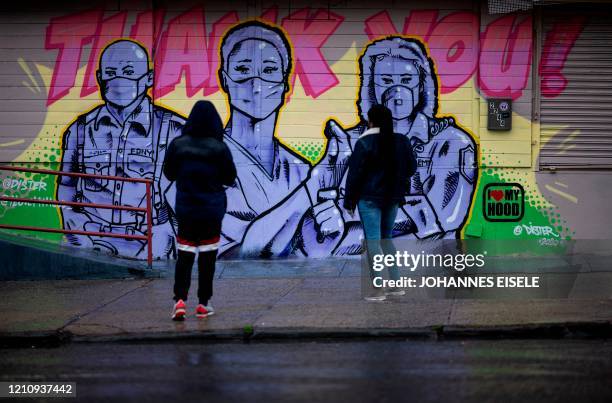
237,218
228,168
170,164
232,230
271,233
451,186
354,178
314,201
73,217
416,218
164,229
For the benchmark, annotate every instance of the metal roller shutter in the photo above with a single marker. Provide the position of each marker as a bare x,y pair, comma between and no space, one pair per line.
576,126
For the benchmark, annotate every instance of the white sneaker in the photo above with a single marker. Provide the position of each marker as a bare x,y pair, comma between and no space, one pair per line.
376,298
395,291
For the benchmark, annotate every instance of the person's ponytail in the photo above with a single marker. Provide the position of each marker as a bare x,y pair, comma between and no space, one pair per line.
381,117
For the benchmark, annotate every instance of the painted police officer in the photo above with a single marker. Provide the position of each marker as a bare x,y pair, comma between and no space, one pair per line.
126,136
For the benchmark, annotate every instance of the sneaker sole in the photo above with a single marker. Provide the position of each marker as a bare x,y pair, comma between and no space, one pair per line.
375,299
200,316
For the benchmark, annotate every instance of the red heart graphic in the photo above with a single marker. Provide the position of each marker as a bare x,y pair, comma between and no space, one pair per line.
497,194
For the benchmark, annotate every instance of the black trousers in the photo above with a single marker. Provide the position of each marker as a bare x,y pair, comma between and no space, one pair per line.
202,239
206,273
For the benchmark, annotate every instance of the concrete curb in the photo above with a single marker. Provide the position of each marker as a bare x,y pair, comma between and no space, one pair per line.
578,330
34,339
570,330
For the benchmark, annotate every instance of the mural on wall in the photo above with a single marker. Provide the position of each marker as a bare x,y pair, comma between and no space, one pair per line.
280,205
398,73
295,91
126,136
276,187
254,71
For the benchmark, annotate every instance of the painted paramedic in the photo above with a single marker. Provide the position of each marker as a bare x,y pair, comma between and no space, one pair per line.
125,136
398,73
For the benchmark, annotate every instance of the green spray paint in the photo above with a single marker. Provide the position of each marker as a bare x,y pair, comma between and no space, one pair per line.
32,186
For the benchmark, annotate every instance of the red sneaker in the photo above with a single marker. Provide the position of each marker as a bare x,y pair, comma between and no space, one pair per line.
204,311
179,311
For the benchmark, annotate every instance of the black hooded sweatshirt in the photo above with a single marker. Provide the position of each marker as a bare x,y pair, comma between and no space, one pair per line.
201,164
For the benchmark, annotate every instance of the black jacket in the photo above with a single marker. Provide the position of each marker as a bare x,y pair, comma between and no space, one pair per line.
200,167
366,179
201,164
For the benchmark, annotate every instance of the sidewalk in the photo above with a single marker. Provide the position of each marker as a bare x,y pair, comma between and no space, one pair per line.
283,299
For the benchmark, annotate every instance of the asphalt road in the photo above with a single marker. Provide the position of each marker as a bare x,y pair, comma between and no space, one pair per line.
339,371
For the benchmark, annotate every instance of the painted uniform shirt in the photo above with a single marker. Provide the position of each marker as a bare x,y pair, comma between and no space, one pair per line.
255,191
444,153
419,135
445,176
130,150
445,168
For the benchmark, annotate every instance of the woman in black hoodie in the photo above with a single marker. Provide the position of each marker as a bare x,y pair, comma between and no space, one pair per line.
202,165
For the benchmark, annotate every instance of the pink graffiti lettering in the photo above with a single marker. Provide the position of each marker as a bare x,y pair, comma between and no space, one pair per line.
452,46
420,23
379,25
218,29
183,49
69,34
557,46
110,29
309,32
505,57
270,15
146,28
451,41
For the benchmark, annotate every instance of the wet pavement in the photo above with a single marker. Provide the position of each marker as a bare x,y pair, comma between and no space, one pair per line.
293,298
380,370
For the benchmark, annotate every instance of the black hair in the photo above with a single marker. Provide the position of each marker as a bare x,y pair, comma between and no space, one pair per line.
204,121
380,116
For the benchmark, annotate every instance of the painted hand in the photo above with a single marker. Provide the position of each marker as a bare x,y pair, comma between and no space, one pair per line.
328,220
419,209
330,169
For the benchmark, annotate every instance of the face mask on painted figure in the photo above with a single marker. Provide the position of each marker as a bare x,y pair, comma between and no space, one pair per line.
255,96
122,91
400,100
397,85
255,78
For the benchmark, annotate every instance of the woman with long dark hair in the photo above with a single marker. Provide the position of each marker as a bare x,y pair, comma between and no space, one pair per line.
202,166
378,179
